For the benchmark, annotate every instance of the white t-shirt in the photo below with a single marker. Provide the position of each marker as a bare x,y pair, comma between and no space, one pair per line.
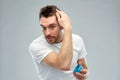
40,48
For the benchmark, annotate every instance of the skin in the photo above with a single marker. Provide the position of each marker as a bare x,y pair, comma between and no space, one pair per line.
84,72
52,31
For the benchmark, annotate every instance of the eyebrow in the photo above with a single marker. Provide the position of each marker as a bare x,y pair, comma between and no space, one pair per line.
41,25
48,25
52,24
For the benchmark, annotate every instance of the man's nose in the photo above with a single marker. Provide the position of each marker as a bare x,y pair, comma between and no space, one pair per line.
47,32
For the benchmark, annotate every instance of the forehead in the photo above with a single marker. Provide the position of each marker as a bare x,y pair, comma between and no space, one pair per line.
46,21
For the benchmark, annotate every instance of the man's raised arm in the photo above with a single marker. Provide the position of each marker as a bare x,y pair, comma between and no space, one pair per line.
63,59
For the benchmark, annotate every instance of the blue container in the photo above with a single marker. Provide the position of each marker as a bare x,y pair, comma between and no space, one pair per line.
78,68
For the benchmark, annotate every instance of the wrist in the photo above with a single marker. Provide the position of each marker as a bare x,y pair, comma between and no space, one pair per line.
86,75
68,28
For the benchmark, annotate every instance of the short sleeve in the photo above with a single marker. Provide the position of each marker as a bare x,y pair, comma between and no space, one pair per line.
82,51
39,51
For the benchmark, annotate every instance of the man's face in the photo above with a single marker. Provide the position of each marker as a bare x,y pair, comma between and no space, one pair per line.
51,29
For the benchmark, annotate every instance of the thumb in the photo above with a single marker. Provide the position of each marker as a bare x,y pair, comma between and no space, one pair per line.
79,62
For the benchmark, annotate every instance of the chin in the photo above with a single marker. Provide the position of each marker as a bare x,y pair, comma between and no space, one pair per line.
51,42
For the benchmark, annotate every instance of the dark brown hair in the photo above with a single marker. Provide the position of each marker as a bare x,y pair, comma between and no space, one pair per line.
48,11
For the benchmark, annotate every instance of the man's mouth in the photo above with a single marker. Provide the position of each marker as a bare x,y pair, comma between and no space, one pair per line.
49,38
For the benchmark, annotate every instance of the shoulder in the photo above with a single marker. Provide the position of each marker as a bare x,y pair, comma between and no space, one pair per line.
40,38
77,40
38,42
76,37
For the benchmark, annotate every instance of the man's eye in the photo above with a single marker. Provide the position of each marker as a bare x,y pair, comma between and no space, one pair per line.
43,28
52,27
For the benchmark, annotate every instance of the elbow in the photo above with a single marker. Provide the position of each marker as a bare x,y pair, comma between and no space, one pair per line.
64,64
65,68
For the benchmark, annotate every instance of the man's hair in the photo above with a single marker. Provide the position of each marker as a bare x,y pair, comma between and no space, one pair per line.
48,11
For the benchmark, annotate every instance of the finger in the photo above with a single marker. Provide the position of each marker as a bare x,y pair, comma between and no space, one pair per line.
61,13
80,76
79,62
77,76
58,15
83,71
58,12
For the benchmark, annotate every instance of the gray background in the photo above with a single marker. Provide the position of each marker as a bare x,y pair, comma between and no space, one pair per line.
97,21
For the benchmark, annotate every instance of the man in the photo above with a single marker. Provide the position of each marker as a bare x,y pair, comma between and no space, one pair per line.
58,51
